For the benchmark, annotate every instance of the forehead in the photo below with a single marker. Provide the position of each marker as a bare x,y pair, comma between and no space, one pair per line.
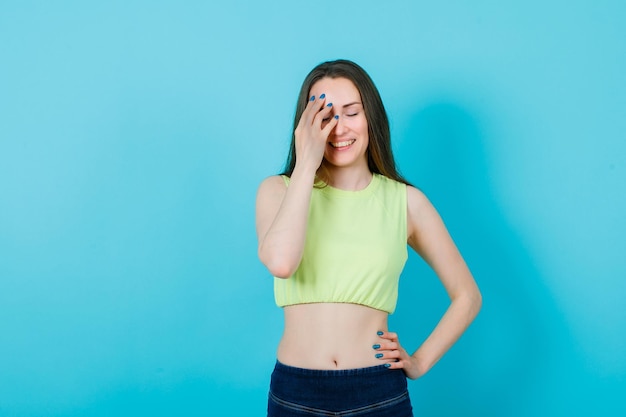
337,90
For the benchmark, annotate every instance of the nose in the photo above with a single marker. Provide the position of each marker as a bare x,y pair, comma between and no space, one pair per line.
340,127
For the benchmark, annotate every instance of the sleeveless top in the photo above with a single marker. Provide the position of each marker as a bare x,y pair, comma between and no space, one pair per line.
355,247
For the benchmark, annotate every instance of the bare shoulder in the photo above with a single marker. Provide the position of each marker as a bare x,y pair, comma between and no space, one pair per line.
423,220
417,201
274,184
271,191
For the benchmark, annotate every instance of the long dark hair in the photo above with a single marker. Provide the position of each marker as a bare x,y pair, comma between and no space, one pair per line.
379,154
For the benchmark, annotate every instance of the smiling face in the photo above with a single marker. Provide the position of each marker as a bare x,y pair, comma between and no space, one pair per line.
348,141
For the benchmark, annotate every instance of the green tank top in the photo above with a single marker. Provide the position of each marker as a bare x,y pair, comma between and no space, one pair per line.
355,247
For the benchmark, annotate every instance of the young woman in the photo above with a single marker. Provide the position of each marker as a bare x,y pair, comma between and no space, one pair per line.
333,229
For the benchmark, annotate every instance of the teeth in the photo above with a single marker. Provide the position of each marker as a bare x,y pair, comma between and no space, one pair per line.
342,144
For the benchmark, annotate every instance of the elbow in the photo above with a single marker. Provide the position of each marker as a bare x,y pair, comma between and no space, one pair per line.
278,266
281,271
471,299
478,301
475,301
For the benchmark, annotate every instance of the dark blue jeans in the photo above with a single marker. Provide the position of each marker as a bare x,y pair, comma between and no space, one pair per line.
364,392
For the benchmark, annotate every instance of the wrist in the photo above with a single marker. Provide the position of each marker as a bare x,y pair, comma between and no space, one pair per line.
304,172
421,365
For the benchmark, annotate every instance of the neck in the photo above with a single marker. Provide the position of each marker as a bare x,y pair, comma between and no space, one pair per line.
349,179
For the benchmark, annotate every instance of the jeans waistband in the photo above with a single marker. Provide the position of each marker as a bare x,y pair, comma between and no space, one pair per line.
337,389
371,370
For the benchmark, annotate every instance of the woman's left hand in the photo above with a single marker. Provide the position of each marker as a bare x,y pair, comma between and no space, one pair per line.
390,351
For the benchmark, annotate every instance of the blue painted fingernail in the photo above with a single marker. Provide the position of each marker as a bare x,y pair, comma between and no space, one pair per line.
387,365
336,116
312,98
379,333
329,105
376,346
379,355
322,96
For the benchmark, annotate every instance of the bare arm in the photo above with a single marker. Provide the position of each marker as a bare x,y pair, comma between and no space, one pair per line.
428,236
282,212
281,218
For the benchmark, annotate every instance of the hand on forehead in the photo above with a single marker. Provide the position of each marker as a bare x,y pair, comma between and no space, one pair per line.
339,91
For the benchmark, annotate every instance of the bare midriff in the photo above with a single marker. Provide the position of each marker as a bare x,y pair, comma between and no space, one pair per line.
331,336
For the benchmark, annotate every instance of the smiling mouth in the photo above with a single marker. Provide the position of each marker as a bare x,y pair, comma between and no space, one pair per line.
343,144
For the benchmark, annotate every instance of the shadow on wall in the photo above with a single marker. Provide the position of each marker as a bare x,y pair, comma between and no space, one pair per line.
504,358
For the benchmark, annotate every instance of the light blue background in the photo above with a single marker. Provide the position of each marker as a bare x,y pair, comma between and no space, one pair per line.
133,136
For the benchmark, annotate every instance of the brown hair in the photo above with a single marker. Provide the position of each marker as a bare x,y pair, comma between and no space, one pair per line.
379,154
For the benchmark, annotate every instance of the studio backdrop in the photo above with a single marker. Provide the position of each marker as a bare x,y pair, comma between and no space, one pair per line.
133,137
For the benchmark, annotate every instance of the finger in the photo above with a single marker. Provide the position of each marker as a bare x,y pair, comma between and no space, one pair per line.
312,108
386,346
389,354
388,335
395,365
323,115
330,125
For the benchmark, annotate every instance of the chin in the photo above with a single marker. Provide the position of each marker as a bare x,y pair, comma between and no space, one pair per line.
341,163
